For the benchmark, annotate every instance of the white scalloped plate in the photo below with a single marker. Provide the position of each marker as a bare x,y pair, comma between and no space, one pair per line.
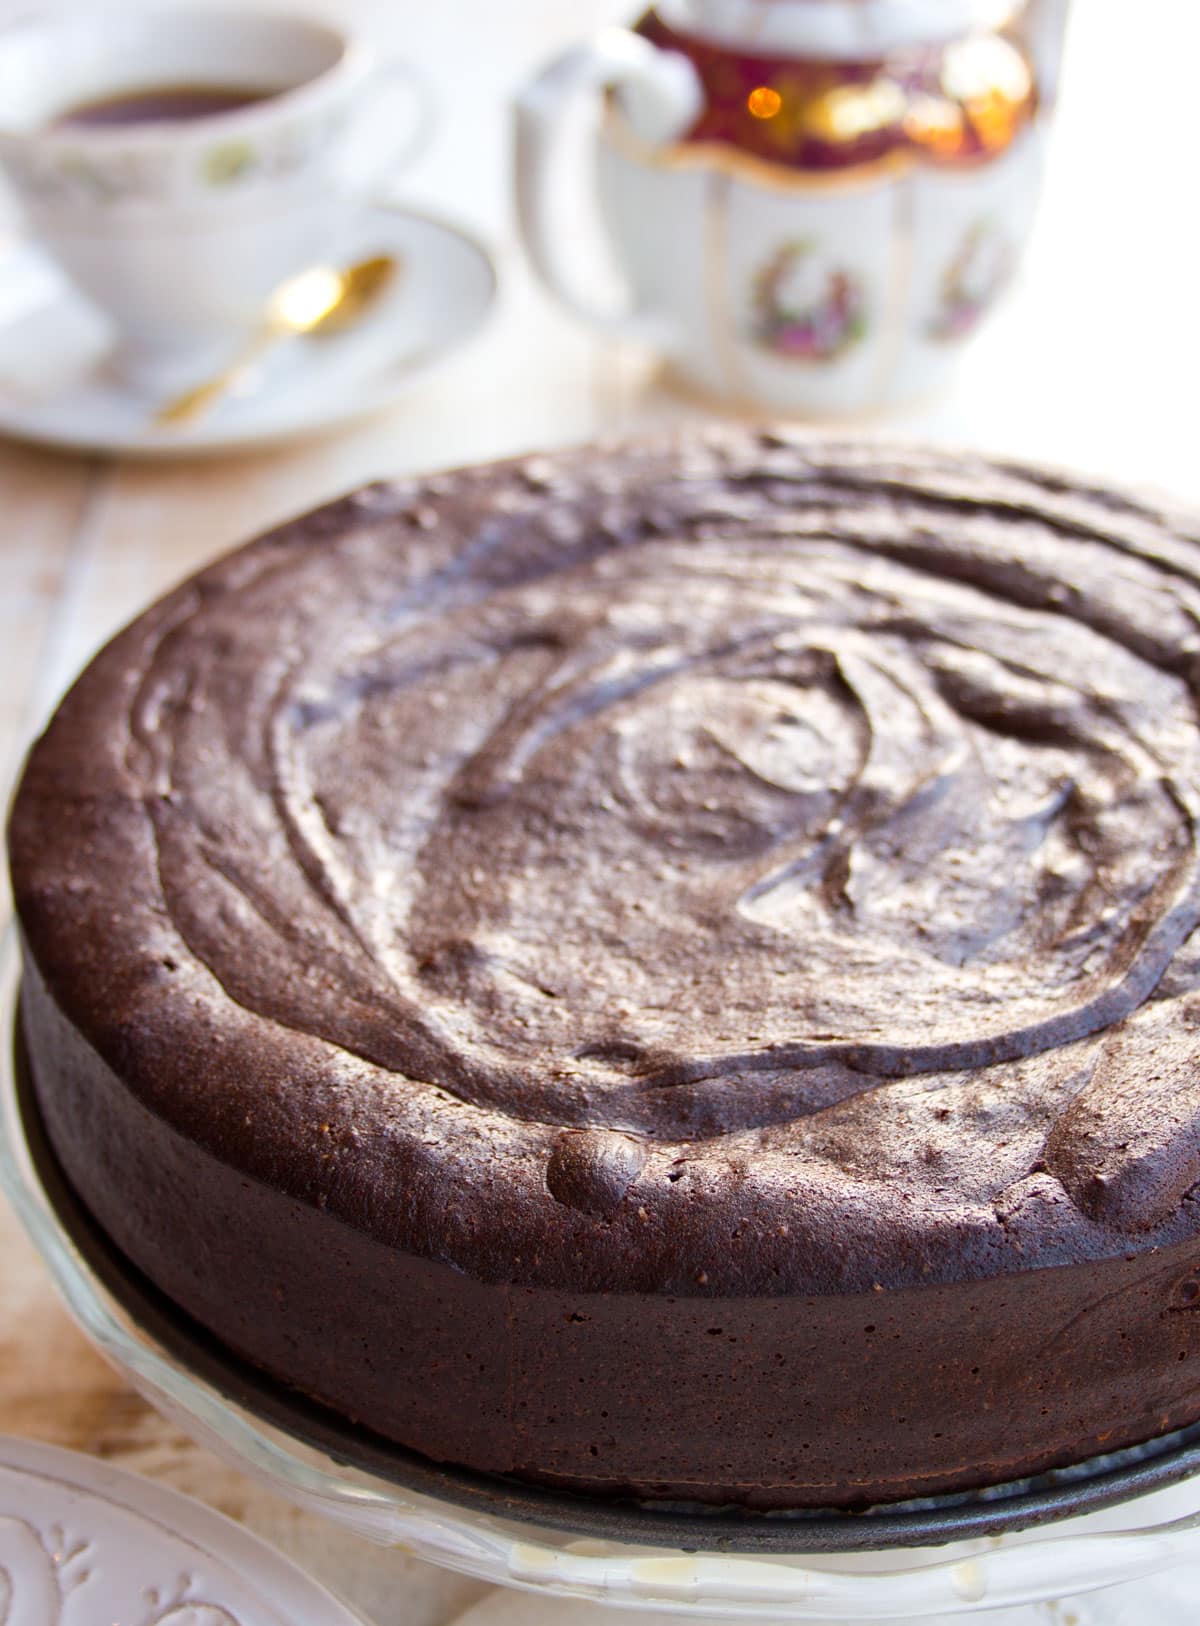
86,1544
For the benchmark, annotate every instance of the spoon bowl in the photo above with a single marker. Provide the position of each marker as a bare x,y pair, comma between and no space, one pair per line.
325,300
320,302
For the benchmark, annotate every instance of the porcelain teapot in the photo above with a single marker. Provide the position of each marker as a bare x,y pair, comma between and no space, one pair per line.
813,202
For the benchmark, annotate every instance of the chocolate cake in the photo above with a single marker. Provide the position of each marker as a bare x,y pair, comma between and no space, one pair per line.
664,970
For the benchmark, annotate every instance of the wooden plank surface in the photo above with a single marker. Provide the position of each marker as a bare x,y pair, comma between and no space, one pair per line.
45,504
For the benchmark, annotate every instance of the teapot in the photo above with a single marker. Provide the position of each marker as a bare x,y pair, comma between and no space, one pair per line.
813,203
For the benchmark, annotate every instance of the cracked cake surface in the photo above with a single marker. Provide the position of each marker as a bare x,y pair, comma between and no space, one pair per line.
665,968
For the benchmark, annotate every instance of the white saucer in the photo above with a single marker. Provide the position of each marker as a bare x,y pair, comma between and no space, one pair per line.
56,388
86,1544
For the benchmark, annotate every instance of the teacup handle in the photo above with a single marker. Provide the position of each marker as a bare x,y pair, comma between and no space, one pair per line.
663,95
374,149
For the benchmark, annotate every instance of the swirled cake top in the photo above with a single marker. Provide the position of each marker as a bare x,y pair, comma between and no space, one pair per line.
672,793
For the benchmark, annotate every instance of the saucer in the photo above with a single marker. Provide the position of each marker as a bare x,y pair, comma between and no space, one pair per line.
84,1544
56,387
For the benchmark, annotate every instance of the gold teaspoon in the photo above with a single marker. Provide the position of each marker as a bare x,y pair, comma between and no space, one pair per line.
320,301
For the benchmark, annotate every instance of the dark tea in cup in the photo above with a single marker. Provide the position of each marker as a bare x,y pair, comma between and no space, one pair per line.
160,104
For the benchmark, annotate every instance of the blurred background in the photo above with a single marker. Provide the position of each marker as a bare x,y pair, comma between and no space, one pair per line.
1089,360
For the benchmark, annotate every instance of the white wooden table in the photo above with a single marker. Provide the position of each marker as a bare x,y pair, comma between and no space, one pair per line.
1094,363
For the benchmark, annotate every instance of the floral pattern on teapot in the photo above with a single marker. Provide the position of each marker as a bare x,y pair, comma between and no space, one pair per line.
805,309
973,280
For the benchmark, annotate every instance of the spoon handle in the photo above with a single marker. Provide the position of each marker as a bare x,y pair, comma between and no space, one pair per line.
192,403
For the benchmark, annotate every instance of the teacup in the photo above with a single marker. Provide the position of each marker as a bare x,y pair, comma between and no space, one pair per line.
813,202
180,228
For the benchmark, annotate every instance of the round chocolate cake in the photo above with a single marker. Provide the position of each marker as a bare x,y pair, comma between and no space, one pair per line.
662,970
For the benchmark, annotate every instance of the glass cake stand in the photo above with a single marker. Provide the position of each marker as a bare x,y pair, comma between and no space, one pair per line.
1008,1548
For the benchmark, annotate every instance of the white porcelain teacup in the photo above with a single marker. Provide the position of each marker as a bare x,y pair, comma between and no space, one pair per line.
179,229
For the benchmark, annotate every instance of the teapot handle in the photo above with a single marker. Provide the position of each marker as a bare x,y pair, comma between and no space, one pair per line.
662,96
